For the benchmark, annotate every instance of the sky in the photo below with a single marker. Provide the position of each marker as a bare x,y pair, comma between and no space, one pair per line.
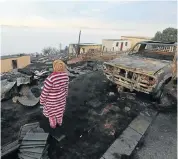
29,26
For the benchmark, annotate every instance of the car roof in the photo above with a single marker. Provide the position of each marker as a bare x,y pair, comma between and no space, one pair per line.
158,42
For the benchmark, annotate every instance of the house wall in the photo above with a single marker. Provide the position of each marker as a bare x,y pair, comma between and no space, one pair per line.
83,48
124,48
107,45
110,45
72,50
86,48
6,64
134,40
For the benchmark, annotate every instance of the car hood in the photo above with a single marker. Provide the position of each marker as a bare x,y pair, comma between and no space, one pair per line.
146,65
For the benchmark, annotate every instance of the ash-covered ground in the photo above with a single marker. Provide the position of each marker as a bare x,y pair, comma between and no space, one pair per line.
95,115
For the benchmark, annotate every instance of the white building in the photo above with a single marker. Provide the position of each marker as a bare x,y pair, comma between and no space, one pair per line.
114,45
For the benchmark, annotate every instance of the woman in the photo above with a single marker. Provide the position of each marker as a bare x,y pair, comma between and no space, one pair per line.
55,91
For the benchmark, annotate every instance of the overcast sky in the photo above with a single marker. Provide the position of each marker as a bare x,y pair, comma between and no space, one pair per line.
30,26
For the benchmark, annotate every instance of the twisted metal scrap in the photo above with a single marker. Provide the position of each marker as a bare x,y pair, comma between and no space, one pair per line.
27,98
6,86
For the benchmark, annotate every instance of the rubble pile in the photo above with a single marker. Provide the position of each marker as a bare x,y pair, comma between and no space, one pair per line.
6,86
95,113
32,143
12,76
84,68
10,83
27,98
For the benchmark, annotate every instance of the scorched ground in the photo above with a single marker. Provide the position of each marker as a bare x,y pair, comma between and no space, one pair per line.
94,117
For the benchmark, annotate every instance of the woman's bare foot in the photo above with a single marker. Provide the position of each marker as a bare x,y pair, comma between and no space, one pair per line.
53,126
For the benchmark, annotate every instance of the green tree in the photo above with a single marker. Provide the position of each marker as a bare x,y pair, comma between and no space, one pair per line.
167,35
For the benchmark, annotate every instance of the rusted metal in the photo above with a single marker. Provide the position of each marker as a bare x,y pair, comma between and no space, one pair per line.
144,69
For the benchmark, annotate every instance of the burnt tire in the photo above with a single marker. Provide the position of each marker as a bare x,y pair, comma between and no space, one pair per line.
159,94
165,103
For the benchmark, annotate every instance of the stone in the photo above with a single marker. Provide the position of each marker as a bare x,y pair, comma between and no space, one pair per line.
108,155
149,113
115,108
140,124
126,143
94,103
15,99
111,94
127,109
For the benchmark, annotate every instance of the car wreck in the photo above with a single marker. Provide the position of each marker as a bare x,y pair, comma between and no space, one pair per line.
147,68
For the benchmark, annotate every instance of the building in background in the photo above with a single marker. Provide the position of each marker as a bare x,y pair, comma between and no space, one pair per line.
121,45
115,45
11,62
135,39
84,48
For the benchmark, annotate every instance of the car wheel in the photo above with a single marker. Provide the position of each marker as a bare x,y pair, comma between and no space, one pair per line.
159,94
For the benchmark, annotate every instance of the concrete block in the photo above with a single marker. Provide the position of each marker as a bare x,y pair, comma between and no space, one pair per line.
149,113
126,143
129,139
114,155
140,124
107,155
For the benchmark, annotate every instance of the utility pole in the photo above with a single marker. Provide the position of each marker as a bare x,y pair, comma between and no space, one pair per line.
60,47
78,46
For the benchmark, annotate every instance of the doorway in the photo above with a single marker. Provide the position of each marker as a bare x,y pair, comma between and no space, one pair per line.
121,46
14,64
83,50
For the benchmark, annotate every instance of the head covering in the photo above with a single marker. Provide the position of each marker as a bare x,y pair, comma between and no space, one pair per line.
59,66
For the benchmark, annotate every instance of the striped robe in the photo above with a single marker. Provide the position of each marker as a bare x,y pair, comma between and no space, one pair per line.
53,96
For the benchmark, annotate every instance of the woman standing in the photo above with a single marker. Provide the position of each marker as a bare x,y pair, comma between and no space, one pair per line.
55,91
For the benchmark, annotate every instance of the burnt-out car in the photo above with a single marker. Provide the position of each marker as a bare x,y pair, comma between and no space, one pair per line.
146,68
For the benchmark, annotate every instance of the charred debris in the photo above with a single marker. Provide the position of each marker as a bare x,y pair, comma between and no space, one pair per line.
24,85
92,121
